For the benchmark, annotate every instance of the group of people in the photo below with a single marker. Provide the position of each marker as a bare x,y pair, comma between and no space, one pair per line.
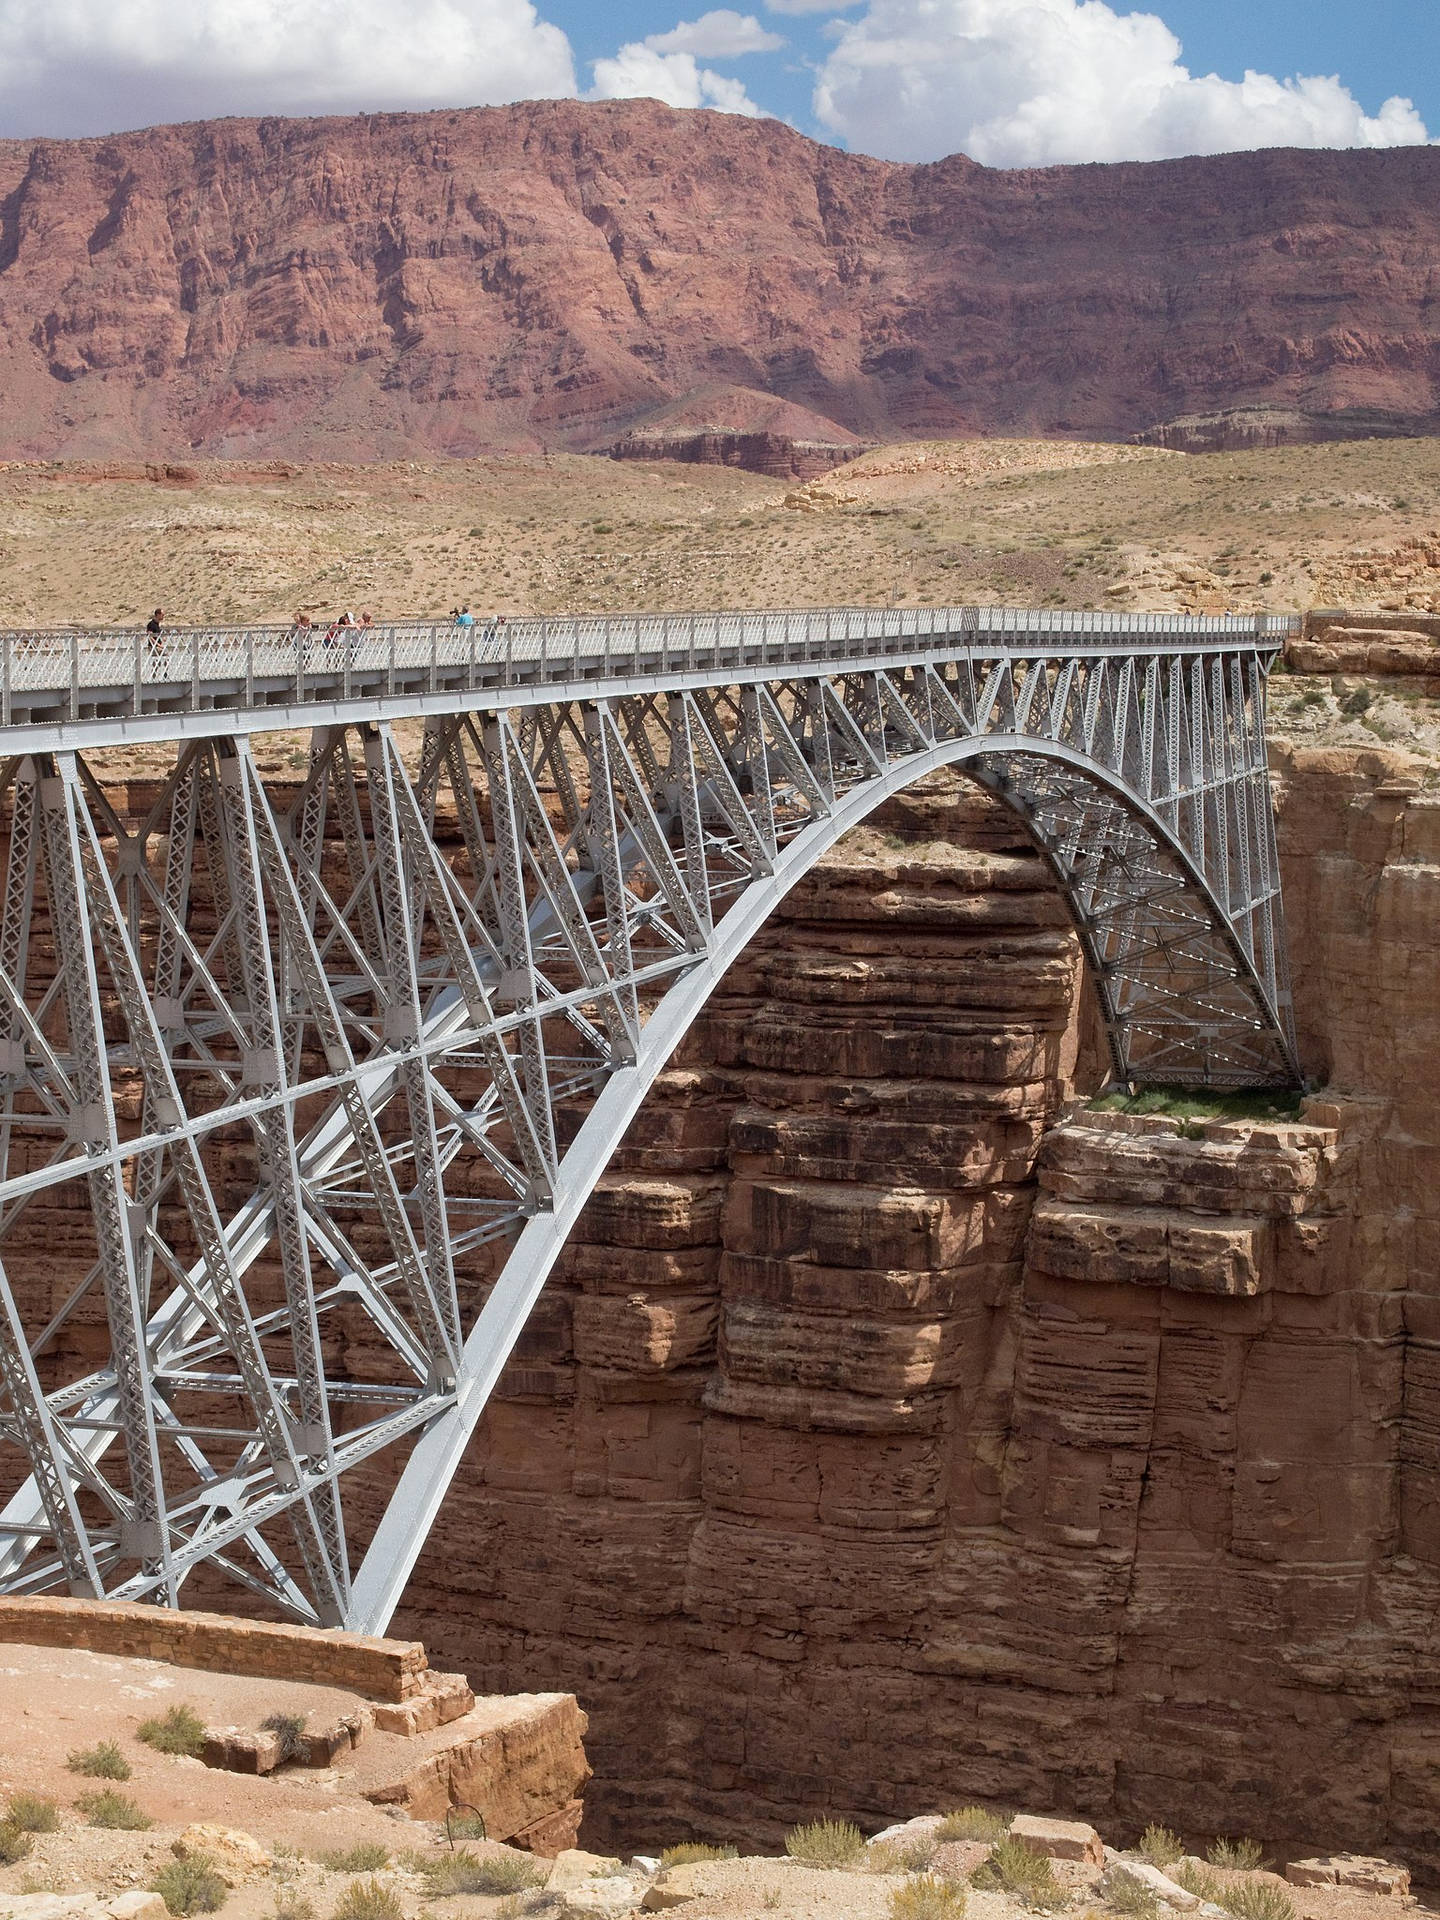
304,630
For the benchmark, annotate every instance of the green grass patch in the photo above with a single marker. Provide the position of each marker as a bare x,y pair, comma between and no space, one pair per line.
180,1730
103,1761
111,1809
826,1843
192,1885
1190,1103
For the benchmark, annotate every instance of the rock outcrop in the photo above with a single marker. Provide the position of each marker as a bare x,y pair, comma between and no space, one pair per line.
884,1443
549,274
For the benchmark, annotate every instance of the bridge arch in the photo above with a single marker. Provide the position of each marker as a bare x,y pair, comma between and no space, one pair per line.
1022,774
388,1025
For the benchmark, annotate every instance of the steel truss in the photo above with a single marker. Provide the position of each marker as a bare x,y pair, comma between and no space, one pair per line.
287,1089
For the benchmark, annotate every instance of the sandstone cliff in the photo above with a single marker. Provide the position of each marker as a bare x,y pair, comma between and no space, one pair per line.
547,274
875,1447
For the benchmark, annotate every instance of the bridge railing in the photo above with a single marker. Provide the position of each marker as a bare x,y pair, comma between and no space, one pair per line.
67,672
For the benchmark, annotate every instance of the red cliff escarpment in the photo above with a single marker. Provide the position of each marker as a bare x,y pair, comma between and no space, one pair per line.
883,1444
555,272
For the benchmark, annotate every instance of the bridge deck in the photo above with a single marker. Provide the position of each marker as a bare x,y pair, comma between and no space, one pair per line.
115,685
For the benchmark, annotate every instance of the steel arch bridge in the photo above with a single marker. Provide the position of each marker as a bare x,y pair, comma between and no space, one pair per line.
303,1086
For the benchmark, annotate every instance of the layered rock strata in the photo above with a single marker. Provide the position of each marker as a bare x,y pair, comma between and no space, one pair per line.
877,1448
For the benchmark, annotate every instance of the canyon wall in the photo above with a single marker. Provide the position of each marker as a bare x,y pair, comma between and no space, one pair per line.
548,274
881,1444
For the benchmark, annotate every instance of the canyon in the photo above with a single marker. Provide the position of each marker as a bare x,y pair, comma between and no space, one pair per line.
899,1430
552,274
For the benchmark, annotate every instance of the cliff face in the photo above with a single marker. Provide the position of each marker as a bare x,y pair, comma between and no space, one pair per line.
553,272
877,1449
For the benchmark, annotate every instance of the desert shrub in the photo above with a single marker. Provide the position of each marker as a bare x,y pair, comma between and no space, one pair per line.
180,1730
1257,1900
466,1826
912,1854
111,1809
368,1900
291,1729
290,1905
32,1813
15,1843
1013,1868
971,1823
494,1873
927,1898
826,1843
1198,1880
1132,1898
191,1885
368,1856
1160,1846
1240,1856
104,1761
690,1852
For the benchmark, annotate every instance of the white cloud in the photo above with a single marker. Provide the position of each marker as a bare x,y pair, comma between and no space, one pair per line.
1038,82
639,72
718,35
93,66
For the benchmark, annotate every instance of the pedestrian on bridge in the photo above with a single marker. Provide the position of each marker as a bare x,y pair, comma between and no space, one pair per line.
155,634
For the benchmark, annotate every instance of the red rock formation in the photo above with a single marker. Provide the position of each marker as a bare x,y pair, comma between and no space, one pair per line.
869,1455
552,272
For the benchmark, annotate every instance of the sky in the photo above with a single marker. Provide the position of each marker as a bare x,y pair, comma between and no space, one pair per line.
1012,83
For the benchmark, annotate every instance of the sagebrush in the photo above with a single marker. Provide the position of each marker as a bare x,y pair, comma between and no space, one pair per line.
1258,1900
467,1872
15,1843
33,1813
911,1853
191,1885
1132,1898
927,1897
826,1843
1013,1868
111,1809
180,1730
972,1823
691,1852
1240,1856
367,1856
1160,1846
290,1727
368,1900
103,1761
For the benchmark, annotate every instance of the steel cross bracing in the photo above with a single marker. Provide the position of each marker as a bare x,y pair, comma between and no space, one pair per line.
303,1086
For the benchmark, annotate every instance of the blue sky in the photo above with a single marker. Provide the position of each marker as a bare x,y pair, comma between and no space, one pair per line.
1389,47
1010,82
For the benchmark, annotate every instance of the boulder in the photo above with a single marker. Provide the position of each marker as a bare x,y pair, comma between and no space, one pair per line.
1141,1876
1364,1872
1059,1839
237,1856
574,1867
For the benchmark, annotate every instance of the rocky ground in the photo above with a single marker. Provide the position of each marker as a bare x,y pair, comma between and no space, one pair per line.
913,1871
1030,523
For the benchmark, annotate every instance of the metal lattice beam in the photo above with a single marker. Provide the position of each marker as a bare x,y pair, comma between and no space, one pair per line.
291,1068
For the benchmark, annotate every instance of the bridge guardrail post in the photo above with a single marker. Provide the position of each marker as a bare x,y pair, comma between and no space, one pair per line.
5,681
137,695
249,666
74,674
390,674
509,653
434,656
